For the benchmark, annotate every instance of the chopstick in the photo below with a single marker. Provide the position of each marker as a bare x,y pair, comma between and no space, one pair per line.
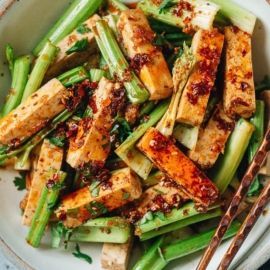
246,227
238,197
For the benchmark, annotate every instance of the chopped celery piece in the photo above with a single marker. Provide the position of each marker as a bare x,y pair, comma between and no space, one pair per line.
238,16
226,165
187,136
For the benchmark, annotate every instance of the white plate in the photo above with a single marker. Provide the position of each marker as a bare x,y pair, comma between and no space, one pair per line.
22,26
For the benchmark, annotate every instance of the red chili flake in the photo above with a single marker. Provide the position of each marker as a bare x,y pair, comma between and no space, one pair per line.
92,104
63,215
138,61
223,124
50,183
234,29
146,118
240,101
243,86
249,75
180,7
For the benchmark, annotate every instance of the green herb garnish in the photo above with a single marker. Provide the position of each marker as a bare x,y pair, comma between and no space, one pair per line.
165,5
79,46
82,29
125,196
82,256
20,182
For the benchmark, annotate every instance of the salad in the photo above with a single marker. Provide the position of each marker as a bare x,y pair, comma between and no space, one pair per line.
122,127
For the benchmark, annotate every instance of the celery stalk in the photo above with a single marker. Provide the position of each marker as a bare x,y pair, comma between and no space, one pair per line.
77,12
21,67
117,63
226,165
45,206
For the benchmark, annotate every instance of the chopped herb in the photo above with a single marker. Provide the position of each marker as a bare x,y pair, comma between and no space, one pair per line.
56,141
82,29
165,5
94,184
105,145
103,137
57,233
79,46
148,216
125,196
82,256
121,128
88,112
3,150
158,191
99,206
20,182
159,215
92,211
95,192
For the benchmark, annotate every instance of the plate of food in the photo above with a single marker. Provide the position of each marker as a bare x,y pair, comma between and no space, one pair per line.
126,128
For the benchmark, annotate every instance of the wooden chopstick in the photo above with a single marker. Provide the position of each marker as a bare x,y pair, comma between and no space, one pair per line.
246,227
238,197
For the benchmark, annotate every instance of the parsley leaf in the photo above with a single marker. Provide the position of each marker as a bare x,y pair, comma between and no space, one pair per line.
165,5
79,46
158,191
20,182
125,196
82,29
81,256
56,141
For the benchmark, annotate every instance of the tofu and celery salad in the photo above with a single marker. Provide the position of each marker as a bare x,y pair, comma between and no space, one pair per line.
134,124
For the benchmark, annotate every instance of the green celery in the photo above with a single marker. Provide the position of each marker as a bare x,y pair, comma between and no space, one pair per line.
77,13
194,243
45,206
186,211
117,63
21,67
41,66
107,229
204,11
226,165
181,223
237,15
257,119
181,70
73,76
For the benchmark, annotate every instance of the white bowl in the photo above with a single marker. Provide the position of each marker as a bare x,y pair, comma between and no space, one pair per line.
22,26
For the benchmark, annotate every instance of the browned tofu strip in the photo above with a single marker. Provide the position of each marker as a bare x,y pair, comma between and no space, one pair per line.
124,186
137,37
169,159
207,46
51,156
33,113
93,144
64,62
239,92
211,141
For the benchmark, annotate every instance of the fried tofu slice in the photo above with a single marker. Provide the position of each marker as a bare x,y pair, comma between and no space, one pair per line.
92,143
137,38
207,46
211,140
116,256
33,114
65,61
76,208
239,91
51,156
179,168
